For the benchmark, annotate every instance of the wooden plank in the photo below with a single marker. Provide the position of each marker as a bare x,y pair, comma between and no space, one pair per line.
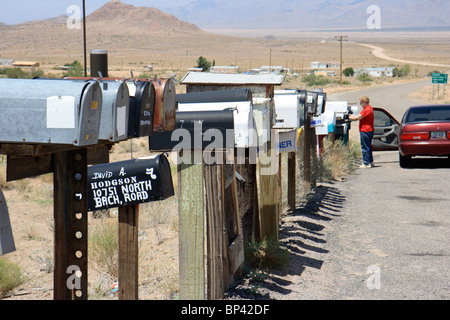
27,166
191,229
21,167
236,254
128,252
268,199
248,201
214,176
71,225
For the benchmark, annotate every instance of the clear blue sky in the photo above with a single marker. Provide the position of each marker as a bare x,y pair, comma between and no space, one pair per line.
17,11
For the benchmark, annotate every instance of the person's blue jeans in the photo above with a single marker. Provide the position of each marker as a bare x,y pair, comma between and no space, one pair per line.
366,146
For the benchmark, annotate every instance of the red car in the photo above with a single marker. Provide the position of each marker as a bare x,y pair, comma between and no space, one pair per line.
424,131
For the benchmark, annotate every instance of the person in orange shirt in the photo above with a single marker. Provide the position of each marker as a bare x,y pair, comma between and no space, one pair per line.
366,130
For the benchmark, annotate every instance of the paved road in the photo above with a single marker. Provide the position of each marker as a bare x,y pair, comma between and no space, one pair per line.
381,234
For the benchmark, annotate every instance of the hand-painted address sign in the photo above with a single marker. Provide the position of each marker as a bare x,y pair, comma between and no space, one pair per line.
129,182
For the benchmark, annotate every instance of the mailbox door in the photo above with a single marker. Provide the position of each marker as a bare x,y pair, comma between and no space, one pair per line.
115,110
165,106
287,111
142,108
90,115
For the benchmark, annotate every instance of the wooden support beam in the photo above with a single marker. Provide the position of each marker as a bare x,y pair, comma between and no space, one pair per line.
191,229
268,196
214,177
128,252
70,214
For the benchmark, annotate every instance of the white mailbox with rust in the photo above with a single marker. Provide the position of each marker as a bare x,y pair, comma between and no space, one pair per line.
50,111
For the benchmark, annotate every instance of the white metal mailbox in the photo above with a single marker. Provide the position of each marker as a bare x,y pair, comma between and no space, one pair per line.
50,111
289,110
325,123
115,111
243,118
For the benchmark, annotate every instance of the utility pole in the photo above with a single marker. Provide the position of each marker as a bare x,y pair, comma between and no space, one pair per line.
341,39
84,38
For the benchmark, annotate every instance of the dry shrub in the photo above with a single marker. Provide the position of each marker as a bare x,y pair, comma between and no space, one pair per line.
338,159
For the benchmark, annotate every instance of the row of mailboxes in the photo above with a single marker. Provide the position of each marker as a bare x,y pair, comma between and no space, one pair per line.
292,106
212,112
84,111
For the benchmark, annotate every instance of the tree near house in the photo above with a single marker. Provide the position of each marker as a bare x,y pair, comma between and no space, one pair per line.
203,63
348,72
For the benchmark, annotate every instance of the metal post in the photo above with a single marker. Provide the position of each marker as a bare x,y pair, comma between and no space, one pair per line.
70,214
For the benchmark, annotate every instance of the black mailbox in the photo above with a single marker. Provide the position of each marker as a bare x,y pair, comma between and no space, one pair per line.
142,108
129,182
215,96
202,130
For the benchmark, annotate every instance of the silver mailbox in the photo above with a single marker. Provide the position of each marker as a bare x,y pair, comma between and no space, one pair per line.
115,111
50,111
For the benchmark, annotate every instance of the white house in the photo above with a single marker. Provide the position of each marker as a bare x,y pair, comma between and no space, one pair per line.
376,72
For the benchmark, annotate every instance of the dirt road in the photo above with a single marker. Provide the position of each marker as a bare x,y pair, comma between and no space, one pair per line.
379,53
381,234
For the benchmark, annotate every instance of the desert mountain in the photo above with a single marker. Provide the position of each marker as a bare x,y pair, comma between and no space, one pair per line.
308,15
115,26
119,17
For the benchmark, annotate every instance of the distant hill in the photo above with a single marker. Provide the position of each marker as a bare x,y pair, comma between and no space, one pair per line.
118,17
310,15
115,26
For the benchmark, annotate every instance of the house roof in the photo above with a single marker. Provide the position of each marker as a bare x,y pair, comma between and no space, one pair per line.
215,78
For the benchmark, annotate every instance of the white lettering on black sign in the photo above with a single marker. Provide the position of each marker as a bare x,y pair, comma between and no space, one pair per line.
116,192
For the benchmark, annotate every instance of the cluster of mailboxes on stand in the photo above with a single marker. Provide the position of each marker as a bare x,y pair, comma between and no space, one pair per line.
214,120
292,107
82,112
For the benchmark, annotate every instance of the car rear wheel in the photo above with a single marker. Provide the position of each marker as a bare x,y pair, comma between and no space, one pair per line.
404,161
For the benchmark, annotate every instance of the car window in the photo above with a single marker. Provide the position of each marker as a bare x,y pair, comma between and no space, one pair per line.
381,119
428,114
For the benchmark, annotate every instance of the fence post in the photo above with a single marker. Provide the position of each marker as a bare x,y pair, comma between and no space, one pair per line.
191,229
128,252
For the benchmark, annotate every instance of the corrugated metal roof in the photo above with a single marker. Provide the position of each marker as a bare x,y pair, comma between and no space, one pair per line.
219,78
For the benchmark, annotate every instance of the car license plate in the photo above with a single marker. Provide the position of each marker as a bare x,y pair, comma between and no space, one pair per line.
438,135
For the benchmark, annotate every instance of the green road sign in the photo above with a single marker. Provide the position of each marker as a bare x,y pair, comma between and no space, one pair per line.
440,78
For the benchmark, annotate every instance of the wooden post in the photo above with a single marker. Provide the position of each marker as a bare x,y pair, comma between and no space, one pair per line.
70,214
307,155
268,197
216,246
191,230
291,173
128,252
